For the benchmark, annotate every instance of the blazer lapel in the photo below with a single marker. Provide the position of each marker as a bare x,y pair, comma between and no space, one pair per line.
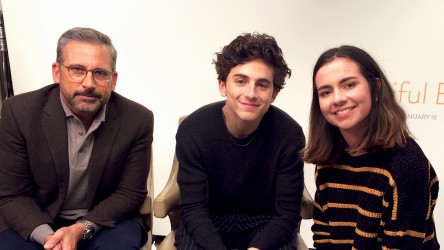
54,127
103,143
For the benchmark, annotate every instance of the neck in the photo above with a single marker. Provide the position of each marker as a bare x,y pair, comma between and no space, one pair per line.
238,129
86,117
355,152
352,144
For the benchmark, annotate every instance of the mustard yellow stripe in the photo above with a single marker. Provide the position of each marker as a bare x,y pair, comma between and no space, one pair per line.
435,180
372,170
395,204
404,233
429,237
342,224
385,203
318,222
366,234
433,202
386,248
346,241
429,209
321,233
340,205
352,187
361,169
356,207
335,223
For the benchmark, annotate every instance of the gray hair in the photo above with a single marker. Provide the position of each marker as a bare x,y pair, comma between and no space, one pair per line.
87,35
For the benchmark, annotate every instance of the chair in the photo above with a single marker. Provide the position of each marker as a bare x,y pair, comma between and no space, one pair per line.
306,214
167,204
146,210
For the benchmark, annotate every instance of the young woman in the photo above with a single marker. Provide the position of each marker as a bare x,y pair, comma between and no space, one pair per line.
375,187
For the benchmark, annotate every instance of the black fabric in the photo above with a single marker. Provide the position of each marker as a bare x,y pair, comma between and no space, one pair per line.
236,230
217,176
379,200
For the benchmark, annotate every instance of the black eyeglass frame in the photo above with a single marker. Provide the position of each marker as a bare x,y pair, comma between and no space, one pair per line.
98,82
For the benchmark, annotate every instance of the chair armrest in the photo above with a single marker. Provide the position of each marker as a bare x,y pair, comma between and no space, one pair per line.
146,206
168,198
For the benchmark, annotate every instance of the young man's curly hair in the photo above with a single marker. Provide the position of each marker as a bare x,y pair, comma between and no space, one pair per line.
248,47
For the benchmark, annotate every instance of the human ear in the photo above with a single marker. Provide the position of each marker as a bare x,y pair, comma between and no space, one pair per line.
56,72
222,88
114,80
275,93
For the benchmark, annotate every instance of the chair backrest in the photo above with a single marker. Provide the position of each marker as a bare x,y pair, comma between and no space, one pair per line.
167,201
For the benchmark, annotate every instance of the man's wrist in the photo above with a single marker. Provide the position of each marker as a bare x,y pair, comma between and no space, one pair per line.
89,231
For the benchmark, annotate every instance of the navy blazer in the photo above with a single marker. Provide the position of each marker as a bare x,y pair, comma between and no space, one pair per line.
34,165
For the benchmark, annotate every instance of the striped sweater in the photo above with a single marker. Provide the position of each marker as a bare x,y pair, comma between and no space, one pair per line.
379,200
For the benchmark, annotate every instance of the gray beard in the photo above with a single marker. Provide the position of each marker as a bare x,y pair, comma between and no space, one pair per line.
81,107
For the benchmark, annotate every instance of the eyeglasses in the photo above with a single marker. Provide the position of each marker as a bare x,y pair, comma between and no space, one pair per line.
78,73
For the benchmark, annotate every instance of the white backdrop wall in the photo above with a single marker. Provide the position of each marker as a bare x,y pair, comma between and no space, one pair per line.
165,49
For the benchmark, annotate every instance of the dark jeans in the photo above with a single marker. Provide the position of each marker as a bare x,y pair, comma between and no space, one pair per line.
126,235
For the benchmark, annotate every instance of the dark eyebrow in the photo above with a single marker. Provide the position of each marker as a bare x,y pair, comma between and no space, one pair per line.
240,75
77,65
323,87
346,79
83,67
245,76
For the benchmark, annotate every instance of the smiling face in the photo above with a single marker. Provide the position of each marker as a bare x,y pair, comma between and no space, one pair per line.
344,97
250,92
84,98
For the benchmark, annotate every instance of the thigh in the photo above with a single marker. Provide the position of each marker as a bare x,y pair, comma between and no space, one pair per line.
238,230
125,235
11,240
291,245
288,246
253,224
183,240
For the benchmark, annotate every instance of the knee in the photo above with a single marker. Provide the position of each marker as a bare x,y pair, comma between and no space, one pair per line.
126,235
116,243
